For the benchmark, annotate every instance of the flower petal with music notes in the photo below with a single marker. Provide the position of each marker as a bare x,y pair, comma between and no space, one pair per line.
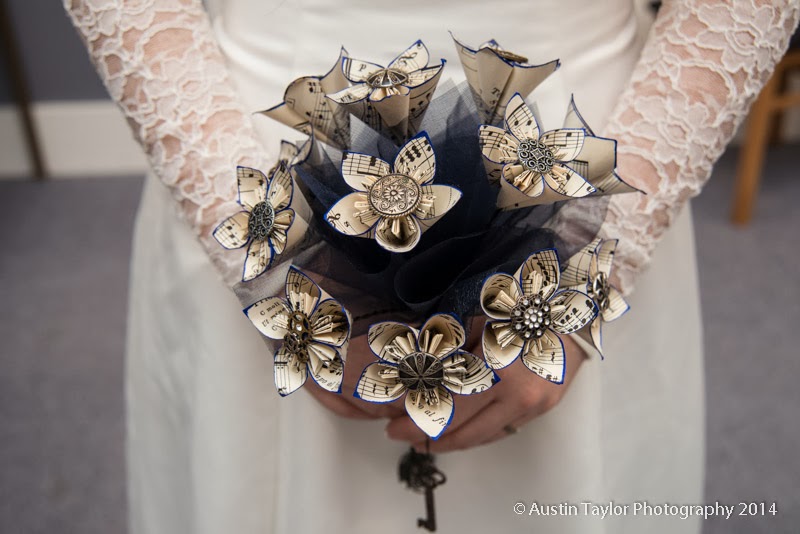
589,271
314,328
426,365
265,221
532,161
528,314
394,204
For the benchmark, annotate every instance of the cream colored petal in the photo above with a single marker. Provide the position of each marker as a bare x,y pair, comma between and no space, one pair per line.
360,171
351,94
258,259
565,143
421,76
392,341
520,120
378,383
398,234
527,181
417,159
280,230
605,255
545,357
596,332
571,310
270,316
566,181
352,215
233,232
280,189
302,293
465,374
431,413
501,346
435,202
578,270
358,71
540,274
499,295
617,307
252,186
413,58
289,374
441,335
326,367
330,324
497,145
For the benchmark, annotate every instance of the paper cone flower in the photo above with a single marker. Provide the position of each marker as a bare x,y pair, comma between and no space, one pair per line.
494,74
589,270
314,328
392,99
527,313
395,203
426,366
532,161
265,221
306,108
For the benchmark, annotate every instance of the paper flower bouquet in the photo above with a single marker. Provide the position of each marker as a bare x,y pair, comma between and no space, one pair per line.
428,205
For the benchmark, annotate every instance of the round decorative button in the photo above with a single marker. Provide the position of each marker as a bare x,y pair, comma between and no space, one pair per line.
420,371
535,156
530,317
385,78
299,336
261,221
395,195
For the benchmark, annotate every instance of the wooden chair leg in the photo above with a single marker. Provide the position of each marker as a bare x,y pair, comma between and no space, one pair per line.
752,153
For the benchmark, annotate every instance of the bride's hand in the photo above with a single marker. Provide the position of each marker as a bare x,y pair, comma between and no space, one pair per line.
519,397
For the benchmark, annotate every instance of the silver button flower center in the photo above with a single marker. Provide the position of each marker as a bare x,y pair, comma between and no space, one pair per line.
530,317
420,371
386,78
599,291
395,195
535,156
298,337
261,221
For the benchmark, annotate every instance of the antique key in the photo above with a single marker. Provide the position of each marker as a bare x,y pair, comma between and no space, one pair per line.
419,472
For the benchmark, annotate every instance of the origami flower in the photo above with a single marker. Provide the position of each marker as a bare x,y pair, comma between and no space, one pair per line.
531,159
528,312
265,221
395,204
397,94
494,74
589,270
314,329
426,365
306,108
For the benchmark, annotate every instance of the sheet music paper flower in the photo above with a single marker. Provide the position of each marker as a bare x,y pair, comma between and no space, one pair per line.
532,160
589,270
527,313
306,108
314,328
426,365
392,98
394,203
263,223
494,74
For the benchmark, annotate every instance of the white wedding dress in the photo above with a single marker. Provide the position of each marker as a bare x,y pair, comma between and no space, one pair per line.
212,448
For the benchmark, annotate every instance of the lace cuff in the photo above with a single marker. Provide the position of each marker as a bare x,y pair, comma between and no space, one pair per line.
703,65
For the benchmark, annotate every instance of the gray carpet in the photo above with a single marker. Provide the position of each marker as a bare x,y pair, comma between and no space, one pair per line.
63,276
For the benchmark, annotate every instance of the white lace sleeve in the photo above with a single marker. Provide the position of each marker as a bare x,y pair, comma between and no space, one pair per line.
703,64
161,64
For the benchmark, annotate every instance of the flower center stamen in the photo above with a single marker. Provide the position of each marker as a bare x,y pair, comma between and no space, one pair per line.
395,195
298,337
386,78
599,291
261,221
420,372
530,317
535,156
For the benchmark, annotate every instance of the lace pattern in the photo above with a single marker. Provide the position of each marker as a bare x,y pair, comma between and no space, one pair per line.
161,64
703,65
